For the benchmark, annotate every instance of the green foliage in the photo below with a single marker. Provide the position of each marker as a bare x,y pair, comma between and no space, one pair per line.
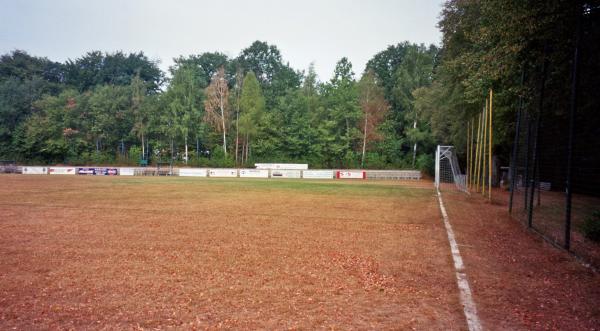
591,226
425,163
338,131
182,102
402,69
96,107
135,153
97,68
490,45
206,64
266,63
252,106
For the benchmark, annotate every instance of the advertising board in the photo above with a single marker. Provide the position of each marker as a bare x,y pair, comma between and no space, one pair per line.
282,166
350,174
98,171
86,171
62,171
317,174
222,172
193,172
254,173
35,170
110,171
285,173
126,171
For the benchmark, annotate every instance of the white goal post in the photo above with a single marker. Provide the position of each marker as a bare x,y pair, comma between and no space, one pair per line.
447,169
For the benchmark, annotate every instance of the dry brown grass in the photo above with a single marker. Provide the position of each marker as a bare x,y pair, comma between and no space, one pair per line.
519,281
185,253
115,253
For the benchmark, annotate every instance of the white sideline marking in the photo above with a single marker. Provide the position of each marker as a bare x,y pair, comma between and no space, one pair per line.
466,298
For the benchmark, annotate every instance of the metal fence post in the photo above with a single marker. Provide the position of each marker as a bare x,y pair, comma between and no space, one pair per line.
513,168
537,137
527,148
572,110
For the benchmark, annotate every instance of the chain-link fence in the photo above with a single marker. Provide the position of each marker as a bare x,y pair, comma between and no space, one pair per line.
555,167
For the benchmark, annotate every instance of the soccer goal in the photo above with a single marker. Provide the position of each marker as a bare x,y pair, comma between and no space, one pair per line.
447,169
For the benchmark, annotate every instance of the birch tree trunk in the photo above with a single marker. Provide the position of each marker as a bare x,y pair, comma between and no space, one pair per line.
415,147
237,131
216,105
186,149
172,150
143,148
247,148
223,124
364,147
366,111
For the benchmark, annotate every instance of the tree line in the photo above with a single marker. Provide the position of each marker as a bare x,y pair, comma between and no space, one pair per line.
524,51
214,110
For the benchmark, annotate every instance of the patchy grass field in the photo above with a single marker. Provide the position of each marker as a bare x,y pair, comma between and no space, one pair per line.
81,252
188,253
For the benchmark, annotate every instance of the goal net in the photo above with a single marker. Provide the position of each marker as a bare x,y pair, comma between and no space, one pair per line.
447,170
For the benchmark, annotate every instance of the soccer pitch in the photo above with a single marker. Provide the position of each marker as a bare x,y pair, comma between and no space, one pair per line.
138,252
159,252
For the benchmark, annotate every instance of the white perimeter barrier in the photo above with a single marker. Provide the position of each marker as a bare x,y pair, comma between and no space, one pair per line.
193,172
254,173
127,171
282,166
393,174
351,174
35,170
62,171
286,174
222,173
317,174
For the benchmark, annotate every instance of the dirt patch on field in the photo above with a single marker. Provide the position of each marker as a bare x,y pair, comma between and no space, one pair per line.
519,281
81,252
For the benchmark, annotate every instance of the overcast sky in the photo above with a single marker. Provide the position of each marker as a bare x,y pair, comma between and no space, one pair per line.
305,31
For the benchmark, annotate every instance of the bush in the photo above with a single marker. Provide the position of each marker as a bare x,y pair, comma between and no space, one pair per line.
375,161
425,163
135,154
591,226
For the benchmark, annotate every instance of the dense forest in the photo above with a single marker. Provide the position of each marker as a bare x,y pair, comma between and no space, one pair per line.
214,110
210,109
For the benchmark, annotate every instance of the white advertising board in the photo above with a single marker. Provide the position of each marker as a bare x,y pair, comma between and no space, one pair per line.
342,174
285,173
62,171
126,171
254,173
317,174
35,170
222,172
193,172
282,166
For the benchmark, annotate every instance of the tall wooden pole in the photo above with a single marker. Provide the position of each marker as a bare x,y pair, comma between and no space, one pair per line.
478,153
472,150
468,153
484,145
490,150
